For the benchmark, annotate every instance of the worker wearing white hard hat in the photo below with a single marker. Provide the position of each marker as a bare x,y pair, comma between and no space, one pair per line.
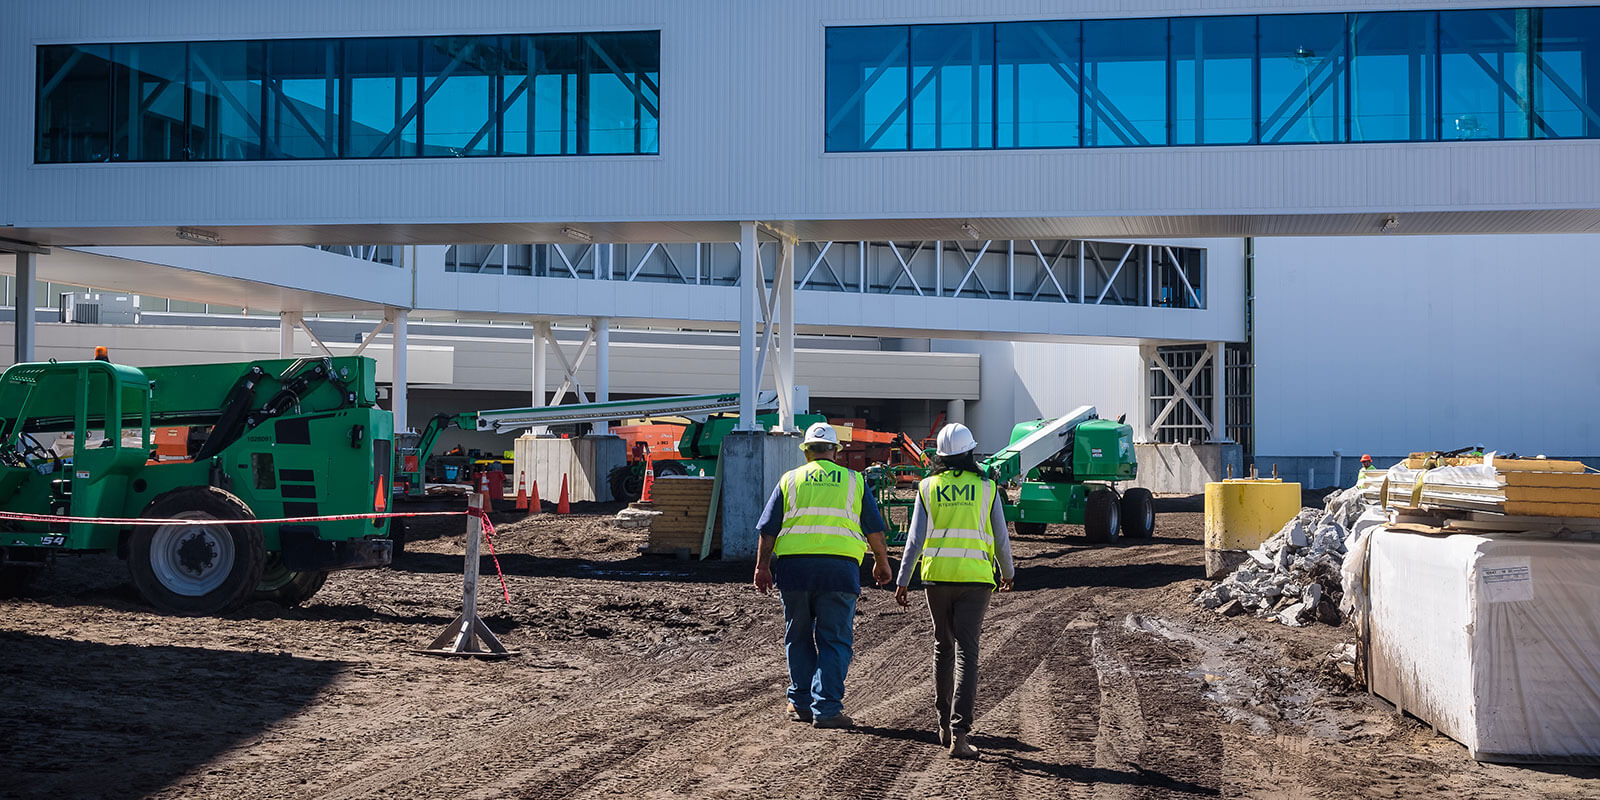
958,536
818,526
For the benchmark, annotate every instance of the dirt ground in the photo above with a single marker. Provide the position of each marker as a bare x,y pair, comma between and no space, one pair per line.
654,677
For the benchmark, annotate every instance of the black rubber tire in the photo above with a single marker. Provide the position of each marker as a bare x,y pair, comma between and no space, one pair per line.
397,534
243,570
1030,528
626,485
673,468
286,588
1138,514
1100,516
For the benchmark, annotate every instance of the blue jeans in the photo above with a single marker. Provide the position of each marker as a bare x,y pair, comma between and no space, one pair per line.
818,640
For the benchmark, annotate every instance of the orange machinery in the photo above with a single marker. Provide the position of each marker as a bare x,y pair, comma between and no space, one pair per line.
661,440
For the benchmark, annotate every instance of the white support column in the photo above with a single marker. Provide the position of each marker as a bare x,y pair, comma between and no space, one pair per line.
956,411
24,326
1219,393
784,314
397,376
1144,432
541,337
749,303
286,323
602,367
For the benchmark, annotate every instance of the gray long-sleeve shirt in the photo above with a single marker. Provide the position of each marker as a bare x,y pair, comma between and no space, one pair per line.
917,537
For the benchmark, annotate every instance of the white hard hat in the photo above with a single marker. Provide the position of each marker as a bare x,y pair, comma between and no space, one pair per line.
955,439
822,433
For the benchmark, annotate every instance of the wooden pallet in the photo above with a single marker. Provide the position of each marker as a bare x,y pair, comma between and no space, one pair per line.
683,502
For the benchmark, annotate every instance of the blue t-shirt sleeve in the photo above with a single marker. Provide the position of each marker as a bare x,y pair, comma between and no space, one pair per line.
871,519
772,516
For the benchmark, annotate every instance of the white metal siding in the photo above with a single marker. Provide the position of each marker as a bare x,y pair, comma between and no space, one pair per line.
1389,345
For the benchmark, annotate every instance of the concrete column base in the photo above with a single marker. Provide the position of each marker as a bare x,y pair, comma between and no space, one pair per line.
1186,468
751,463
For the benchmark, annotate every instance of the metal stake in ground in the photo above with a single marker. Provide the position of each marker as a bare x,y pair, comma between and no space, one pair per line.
467,635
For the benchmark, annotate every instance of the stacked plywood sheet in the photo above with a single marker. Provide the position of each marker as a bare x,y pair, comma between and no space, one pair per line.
683,502
1513,487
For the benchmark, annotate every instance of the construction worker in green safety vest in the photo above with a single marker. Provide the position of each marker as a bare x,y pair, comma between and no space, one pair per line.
819,524
958,535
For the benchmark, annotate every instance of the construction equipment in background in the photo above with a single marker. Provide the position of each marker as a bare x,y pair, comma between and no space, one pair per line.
1068,469
415,450
282,438
699,447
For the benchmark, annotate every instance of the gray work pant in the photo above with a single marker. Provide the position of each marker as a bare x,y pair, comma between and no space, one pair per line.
957,610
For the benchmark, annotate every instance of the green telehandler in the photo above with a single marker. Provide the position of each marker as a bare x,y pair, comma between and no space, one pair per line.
282,439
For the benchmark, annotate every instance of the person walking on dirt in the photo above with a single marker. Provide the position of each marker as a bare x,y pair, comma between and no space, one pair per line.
819,524
958,535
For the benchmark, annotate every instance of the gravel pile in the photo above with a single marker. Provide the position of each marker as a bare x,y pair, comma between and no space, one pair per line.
1293,577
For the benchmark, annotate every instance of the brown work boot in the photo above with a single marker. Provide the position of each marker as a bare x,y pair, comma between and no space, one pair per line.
835,721
959,748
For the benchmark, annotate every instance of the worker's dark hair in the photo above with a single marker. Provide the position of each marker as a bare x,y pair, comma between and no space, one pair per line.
822,448
960,462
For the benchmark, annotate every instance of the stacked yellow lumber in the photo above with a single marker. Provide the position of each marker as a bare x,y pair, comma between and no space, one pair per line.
1512,487
683,502
1428,460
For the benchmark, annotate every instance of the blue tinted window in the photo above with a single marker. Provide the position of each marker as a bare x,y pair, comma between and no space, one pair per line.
147,102
868,88
225,93
1213,80
1392,77
458,82
1567,72
381,77
1038,66
302,99
622,93
1483,74
1303,62
74,103
952,86
1125,82
537,94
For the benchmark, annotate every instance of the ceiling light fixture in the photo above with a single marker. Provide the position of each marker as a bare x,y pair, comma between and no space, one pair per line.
971,232
1391,223
574,233
198,235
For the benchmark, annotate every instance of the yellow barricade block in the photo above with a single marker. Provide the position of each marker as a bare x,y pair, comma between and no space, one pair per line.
1241,514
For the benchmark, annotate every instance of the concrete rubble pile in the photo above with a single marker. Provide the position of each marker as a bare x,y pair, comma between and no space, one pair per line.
1293,577
631,518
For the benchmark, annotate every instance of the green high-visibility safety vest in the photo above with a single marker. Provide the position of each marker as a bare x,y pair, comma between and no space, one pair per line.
821,512
960,545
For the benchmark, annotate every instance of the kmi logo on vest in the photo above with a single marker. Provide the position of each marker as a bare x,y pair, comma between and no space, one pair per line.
956,494
822,476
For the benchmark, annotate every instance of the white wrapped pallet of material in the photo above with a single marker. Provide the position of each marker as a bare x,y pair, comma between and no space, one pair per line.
1493,640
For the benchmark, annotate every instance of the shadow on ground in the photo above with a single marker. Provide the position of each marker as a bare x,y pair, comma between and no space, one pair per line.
85,719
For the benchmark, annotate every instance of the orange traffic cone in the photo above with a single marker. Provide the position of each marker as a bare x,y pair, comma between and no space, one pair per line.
563,507
534,504
522,492
649,478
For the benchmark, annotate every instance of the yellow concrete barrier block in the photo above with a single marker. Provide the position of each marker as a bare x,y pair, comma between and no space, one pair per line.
1243,513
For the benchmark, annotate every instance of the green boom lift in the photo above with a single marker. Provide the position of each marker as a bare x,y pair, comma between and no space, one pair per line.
286,438
1068,468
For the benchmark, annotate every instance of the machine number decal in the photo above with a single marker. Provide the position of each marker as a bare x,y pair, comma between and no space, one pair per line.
84,474
47,541
1095,452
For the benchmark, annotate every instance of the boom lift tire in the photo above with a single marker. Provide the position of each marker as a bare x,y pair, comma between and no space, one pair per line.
1100,516
196,570
287,588
1030,528
1138,514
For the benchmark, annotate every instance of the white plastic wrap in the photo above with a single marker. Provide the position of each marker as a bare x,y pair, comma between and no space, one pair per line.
1494,640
